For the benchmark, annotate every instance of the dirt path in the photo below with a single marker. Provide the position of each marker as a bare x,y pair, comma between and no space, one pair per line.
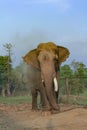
22,118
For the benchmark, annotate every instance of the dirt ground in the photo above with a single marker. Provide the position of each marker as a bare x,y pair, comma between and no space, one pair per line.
21,117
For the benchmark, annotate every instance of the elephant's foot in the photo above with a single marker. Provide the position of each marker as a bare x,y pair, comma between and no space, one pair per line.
46,108
46,113
35,109
54,111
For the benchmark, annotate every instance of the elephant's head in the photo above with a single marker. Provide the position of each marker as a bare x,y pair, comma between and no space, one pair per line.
47,57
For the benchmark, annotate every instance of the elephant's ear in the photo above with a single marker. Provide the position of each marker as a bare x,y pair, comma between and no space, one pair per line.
63,53
31,58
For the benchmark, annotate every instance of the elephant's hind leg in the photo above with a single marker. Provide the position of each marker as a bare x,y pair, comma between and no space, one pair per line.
34,100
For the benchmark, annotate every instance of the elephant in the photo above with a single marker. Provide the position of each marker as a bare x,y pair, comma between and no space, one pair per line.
45,61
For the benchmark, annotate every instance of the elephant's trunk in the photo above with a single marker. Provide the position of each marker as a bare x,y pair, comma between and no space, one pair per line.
50,93
55,84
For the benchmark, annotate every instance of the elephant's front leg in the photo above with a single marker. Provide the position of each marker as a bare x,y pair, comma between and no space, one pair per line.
57,93
34,100
56,96
44,100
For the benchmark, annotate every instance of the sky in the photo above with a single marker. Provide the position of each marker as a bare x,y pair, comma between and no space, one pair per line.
26,23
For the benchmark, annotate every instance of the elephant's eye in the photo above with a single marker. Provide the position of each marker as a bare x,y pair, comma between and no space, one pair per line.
56,57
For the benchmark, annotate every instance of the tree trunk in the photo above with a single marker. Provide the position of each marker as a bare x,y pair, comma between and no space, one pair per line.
8,89
3,91
67,89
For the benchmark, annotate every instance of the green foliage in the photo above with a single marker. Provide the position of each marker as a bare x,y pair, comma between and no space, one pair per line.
66,71
19,79
3,63
75,72
75,86
78,68
3,68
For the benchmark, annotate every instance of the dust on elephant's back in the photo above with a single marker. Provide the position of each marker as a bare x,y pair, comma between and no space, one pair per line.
34,77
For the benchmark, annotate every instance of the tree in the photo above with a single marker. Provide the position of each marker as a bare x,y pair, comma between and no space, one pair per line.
65,72
78,68
19,79
78,72
3,72
75,72
8,47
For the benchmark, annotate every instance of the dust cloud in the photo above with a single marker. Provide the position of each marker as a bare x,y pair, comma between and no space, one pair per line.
25,43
